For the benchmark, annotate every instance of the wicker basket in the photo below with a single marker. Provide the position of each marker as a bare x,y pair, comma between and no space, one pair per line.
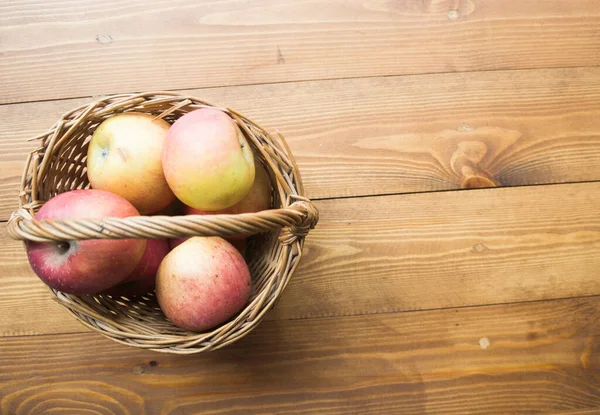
58,165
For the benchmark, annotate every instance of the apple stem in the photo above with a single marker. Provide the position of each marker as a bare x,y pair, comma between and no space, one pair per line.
63,247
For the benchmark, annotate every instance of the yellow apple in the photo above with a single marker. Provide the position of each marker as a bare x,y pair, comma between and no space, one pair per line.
257,199
124,157
207,160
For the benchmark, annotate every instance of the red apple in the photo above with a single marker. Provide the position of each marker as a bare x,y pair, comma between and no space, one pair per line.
90,266
202,283
143,277
239,244
207,161
124,157
259,198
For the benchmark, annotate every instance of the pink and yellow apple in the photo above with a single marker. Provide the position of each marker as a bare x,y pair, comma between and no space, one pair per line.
202,283
207,161
142,279
88,266
259,198
124,157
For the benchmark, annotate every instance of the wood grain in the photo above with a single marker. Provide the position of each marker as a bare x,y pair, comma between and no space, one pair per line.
401,253
541,358
52,50
424,251
396,135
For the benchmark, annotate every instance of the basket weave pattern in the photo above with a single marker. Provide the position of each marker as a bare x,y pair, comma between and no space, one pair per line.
59,165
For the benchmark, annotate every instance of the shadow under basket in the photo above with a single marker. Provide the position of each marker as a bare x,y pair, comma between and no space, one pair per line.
59,165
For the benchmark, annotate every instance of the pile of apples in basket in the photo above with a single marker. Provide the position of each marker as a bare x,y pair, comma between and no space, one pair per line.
140,165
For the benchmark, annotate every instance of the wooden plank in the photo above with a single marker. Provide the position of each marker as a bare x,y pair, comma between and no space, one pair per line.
534,358
401,253
396,135
52,50
426,251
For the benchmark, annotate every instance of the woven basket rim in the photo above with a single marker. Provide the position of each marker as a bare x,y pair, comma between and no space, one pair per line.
132,323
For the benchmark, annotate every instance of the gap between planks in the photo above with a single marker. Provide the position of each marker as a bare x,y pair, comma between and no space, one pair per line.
307,80
357,315
435,191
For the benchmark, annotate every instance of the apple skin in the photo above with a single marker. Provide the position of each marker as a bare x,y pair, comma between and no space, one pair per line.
90,266
207,161
142,279
239,244
259,198
202,283
124,157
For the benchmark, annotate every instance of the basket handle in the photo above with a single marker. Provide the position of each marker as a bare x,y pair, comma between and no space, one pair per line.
296,220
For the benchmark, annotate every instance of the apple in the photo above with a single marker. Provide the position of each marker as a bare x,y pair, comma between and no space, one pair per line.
259,198
239,244
142,279
202,283
207,161
124,157
88,266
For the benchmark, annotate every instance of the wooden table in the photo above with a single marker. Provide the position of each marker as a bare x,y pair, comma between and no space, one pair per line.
414,296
